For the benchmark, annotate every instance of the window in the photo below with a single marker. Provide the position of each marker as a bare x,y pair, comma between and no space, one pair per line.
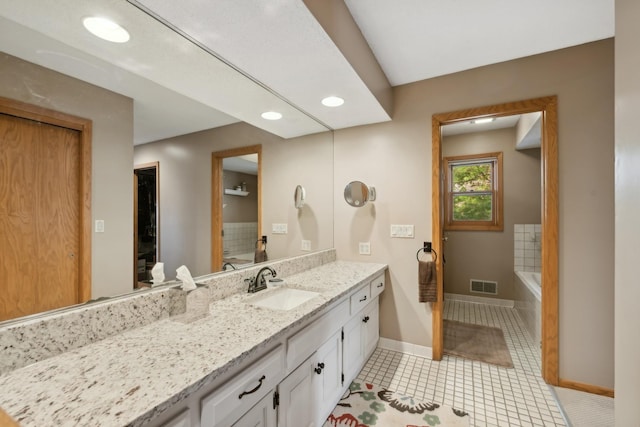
473,187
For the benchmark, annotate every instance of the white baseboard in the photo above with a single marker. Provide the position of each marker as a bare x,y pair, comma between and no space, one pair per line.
405,347
480,300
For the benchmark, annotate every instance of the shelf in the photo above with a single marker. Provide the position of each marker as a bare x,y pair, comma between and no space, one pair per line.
236,192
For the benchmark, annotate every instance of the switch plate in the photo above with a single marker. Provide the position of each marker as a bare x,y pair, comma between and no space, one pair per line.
364,248
402,231
279,228
306,245
99,225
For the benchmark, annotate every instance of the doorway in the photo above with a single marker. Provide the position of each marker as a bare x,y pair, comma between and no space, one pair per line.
45,209
233,189
549,229
146,209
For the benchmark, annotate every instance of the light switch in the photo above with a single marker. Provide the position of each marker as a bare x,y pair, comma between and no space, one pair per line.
404,231
99,225
279,228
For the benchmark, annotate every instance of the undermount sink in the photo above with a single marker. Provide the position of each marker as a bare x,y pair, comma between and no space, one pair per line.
282,299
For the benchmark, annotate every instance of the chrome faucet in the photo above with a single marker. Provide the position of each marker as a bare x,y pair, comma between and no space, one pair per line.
259,283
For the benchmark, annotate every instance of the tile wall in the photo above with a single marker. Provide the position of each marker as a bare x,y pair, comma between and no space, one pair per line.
527,254
239,237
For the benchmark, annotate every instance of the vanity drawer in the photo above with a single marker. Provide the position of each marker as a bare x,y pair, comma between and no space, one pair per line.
301,345
236,397
377,286
360,299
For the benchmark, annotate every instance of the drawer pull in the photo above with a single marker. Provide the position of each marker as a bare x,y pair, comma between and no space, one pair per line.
254,390
364,298
366,319
380,285
319,369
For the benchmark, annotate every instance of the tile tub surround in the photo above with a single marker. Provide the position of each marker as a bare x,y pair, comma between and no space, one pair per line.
527,255
133,377
43,336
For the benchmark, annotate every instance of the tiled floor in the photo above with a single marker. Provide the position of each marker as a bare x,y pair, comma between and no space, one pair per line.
492,395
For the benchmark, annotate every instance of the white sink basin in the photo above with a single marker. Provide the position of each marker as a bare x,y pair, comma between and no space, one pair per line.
282,299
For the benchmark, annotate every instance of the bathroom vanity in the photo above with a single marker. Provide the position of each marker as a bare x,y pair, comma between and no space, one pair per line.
243,364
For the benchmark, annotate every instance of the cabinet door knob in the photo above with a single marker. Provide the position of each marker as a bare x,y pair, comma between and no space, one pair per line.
319,369
366,319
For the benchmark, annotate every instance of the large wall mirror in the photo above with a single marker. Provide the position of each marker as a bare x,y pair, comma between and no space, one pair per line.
159,100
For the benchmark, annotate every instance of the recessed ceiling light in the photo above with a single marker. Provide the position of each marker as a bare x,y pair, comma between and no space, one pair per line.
106,29
332,101
480,121
271,115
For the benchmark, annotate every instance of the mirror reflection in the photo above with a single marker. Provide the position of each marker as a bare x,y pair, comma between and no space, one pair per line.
240,210
82,80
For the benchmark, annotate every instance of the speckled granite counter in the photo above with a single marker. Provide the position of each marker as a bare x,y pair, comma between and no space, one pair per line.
130,378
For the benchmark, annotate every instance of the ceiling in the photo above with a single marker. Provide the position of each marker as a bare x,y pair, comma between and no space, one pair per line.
194,65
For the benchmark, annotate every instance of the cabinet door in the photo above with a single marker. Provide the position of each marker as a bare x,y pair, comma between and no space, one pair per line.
297,400
353,347
328,377
263,414
371,333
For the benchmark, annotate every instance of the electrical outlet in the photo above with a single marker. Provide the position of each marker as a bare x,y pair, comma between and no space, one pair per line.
279,228
364,248
99,225
306,245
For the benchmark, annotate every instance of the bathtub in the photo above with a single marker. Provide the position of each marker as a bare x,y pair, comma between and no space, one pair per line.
528,297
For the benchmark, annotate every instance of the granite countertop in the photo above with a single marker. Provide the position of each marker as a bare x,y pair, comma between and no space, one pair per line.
130,378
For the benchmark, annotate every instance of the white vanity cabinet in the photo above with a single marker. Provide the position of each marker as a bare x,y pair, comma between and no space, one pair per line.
263,414
309,394
296,396
329,379
361,332
240,394
300,381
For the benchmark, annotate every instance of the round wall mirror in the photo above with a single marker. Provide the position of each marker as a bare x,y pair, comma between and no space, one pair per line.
298,197
357,194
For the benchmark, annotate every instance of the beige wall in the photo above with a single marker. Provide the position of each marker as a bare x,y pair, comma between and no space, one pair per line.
305,161
240,208
395,157
488,255
112,151
185,191
627,231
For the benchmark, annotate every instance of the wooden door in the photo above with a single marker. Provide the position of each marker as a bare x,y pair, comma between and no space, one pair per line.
42,239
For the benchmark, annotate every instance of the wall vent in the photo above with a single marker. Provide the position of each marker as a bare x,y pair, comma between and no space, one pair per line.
484,287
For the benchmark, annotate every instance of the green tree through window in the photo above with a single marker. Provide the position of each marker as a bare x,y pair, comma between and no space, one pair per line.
473,192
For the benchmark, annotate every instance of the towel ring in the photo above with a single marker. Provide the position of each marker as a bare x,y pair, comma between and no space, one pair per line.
425,250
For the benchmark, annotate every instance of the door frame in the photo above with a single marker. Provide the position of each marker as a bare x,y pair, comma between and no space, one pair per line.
150,165
549,178
216,198
36,113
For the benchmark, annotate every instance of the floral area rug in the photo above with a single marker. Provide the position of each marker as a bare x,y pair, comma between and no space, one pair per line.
366,405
